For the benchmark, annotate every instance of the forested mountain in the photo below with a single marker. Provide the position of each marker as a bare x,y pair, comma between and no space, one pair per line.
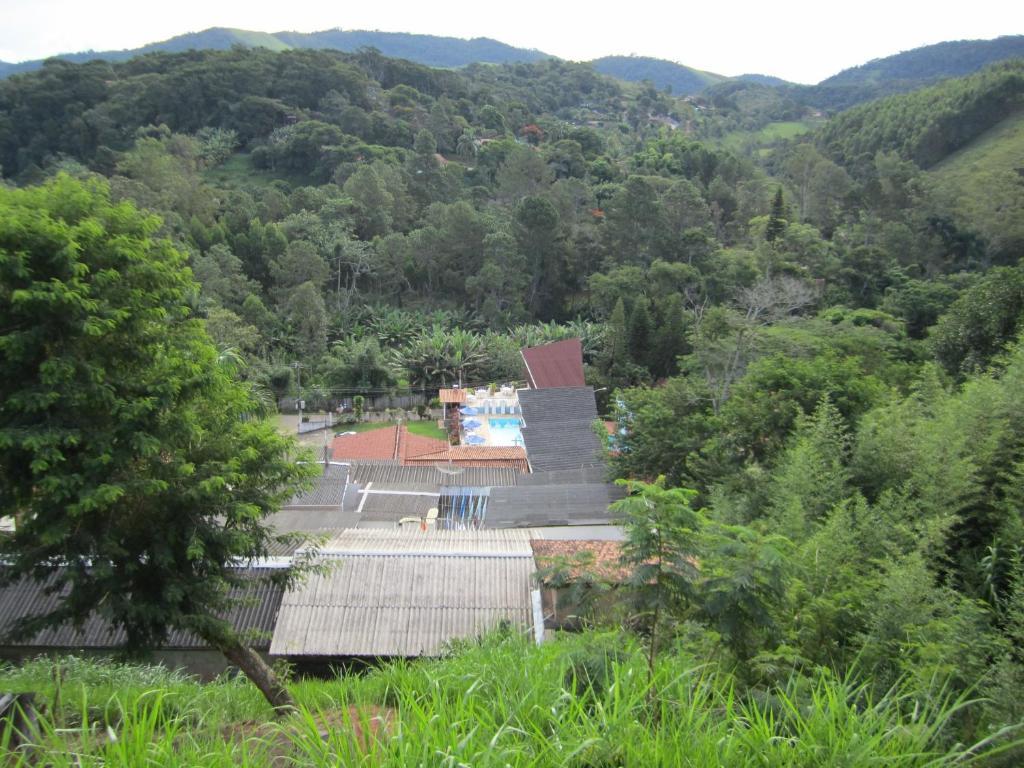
924,65
908,71
817,336
679,79
432,50
928,125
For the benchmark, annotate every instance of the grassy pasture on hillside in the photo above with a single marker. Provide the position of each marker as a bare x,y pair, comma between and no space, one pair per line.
982,185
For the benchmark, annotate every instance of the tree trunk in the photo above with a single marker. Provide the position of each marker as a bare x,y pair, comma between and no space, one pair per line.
261,675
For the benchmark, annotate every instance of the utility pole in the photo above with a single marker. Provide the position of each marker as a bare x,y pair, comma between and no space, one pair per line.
298,385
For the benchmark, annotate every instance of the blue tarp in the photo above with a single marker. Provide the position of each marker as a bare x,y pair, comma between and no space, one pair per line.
468,410
475,440
471,424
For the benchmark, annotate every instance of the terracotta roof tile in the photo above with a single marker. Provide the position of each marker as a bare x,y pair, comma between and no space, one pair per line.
477,456
600,558
417,445
374,445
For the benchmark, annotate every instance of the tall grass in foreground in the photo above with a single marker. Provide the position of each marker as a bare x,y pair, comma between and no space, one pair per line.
579,701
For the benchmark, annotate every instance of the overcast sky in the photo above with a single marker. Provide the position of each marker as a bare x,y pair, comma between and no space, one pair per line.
800,40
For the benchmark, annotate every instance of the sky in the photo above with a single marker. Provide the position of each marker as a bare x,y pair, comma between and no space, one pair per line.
799,40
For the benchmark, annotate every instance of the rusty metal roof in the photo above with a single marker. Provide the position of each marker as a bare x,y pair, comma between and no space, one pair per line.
559,364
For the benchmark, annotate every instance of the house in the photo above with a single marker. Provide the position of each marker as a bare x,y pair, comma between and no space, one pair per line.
396,593
254,615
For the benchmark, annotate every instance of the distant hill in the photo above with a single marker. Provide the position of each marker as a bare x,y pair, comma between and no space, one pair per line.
930,124
908,71
932,62
684,81
761,79
431,50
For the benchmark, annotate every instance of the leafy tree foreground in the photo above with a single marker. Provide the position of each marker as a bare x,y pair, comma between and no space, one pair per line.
137,467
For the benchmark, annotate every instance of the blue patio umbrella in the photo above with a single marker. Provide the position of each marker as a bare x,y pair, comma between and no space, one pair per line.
471,424
475,440
468,410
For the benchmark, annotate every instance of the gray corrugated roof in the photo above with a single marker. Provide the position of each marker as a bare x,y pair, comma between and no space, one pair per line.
396,541
562,446
408,603
560,404
575,476
257,614
558,428
328,491
393,507
389,475
313,519
540,505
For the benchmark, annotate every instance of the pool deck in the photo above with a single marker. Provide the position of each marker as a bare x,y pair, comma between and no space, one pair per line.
498,437
500,405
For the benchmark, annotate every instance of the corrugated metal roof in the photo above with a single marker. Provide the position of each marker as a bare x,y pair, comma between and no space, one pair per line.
540,505
575,476
328,491
558,405
559,364
393,507
313,519
256,614
558,429
401,593
391,475
510,543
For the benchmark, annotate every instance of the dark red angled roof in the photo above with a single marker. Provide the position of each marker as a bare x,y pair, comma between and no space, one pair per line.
555,365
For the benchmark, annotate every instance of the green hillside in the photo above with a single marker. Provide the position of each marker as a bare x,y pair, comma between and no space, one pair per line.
928,125
424,49
932,62
982,184
907,71
683,80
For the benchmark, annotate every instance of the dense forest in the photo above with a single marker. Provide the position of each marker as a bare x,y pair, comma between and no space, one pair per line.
809,333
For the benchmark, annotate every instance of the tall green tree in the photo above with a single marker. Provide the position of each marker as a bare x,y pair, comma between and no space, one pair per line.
135,463
776,219
661,550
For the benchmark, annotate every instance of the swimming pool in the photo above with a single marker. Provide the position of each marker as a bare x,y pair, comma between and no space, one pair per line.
504,432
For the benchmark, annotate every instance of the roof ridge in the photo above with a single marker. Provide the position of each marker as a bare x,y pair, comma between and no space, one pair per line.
398,441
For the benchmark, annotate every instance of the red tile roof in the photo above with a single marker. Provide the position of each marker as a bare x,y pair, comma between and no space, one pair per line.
375,445
417,445
559,364
386,443
477,456
580,556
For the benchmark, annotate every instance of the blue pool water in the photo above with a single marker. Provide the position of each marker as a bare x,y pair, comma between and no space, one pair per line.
505,432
